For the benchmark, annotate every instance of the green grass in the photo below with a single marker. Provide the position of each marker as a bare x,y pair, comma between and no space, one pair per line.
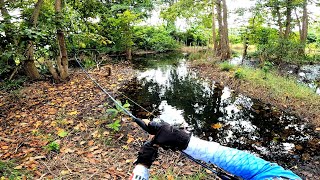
8,171
280,86
238,48
226,66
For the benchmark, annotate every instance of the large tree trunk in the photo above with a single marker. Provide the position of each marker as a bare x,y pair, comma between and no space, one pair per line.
29,65
288,19
304,29
277,8
214,36
62,59
226,49
220,27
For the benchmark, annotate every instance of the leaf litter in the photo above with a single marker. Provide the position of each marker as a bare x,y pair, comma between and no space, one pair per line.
73,115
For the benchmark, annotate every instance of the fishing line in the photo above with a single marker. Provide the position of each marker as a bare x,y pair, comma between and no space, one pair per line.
221,174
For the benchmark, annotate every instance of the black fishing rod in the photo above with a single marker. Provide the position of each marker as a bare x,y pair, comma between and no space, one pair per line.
143,125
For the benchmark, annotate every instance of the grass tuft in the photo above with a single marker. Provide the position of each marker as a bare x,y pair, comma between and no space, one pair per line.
226,66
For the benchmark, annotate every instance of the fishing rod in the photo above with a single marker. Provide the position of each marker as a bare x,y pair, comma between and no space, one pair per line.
143,125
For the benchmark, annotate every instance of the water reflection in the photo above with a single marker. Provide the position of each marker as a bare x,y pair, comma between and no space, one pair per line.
214,112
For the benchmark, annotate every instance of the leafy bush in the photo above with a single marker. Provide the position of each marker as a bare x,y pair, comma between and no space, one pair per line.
153,38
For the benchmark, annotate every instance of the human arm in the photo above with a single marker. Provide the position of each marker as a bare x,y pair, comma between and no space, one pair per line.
146,156
236,162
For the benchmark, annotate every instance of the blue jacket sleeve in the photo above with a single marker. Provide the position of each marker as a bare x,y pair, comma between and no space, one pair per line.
236,162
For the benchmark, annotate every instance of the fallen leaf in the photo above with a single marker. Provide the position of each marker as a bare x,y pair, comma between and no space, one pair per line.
52,111
64,172
93,148
73,113
216,126
62,133
170,177
130,139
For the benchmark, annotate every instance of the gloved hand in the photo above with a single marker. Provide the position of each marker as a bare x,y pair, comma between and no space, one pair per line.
147,154
167,136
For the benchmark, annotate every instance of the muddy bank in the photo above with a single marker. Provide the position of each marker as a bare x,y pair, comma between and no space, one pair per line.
302,108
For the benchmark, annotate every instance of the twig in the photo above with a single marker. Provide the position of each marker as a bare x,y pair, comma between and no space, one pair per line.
6,139
42,176
13,73
48,169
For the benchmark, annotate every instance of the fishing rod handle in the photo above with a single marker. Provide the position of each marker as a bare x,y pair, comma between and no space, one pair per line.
143,124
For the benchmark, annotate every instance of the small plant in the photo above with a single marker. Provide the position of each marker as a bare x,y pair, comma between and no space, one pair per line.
115,125
113,112
266,68
226,66
239,74
53,146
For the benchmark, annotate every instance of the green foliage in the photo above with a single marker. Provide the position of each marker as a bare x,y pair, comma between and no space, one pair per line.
15,84
239,74
53,146
311,38
8,171
115,125
226,66
194,36
88,63
266,68
153,38
113,112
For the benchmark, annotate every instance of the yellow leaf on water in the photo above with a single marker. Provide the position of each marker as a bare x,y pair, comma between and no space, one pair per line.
216,126
113,85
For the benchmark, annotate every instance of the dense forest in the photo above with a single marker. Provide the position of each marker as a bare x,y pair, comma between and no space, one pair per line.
56,124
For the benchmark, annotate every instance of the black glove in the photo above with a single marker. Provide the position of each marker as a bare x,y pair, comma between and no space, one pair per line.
167,136
147,154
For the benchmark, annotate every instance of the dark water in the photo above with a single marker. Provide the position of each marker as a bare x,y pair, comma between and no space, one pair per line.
166,87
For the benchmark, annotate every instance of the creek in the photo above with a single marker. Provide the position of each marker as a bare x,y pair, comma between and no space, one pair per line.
165,86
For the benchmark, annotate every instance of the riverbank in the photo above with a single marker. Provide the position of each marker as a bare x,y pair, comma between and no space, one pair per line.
282,92
62,131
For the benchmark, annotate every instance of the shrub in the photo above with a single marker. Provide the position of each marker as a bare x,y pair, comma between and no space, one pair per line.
153,38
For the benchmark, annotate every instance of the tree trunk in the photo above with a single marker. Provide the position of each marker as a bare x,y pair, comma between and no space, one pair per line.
220,27
29,65
288,19
214,36
62,59
304,29
225,38
128,54
279,20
